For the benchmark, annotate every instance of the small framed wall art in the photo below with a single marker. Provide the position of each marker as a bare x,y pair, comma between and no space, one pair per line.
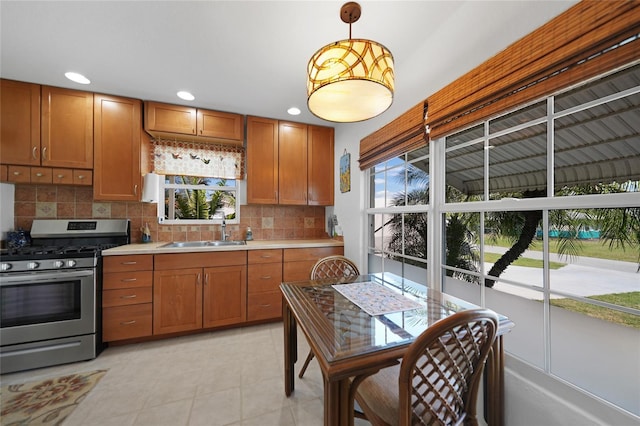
345,172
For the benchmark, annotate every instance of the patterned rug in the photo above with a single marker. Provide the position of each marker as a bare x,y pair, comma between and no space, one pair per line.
47,402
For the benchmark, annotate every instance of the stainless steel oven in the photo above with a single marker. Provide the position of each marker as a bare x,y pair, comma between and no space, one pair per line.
50,294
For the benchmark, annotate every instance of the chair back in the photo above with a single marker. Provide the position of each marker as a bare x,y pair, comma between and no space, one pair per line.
441,371
334,266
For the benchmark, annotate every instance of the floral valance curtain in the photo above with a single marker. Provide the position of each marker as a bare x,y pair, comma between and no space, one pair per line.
172,157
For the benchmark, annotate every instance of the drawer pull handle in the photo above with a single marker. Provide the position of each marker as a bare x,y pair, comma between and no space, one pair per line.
80,177
16,173
265,306
39,174
128,280
60,176
128,322
266,277
131,296
129,263
266,256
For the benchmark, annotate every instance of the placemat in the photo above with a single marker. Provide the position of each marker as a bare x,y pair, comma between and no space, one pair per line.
375,299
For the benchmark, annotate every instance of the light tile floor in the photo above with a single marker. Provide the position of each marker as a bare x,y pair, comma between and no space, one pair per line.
230,377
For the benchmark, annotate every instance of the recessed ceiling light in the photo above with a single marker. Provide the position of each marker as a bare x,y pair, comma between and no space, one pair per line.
294,111
78,78
186,96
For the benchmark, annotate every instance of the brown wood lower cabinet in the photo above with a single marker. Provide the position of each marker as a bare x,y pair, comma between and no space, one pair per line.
127,297
161,294
264,300
196,290
298,262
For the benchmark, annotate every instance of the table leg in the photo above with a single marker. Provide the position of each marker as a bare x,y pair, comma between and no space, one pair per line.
290,348
338,409
495,384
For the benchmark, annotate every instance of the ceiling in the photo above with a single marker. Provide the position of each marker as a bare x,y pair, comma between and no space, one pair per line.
250,57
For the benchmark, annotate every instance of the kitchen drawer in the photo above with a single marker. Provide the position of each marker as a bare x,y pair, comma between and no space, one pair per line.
83,177
127,296
19,174
263,306
62,176
311,254
265,256
116,280
127,322
264,277
41,175
137,262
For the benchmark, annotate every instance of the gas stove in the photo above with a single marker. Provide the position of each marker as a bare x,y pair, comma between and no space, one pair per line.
51,293
63,244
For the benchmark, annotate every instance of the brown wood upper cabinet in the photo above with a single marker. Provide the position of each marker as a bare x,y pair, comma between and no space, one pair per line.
67,128
46,126
168,121
20,130
289,163
117,139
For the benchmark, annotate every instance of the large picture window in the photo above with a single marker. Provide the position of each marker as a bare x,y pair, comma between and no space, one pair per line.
541,223
398,215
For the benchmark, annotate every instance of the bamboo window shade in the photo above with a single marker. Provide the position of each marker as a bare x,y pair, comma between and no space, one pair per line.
589,39
402,135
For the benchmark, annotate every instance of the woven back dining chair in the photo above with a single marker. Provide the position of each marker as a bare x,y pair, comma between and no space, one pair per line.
330,267
438,379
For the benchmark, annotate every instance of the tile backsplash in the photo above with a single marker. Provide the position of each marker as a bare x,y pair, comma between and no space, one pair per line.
268,222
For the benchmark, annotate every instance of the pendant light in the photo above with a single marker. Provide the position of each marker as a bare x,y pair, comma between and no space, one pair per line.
350,80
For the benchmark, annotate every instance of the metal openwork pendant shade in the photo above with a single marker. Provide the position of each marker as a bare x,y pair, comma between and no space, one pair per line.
350,80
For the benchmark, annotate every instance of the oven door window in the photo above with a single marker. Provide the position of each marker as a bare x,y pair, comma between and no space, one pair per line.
25,304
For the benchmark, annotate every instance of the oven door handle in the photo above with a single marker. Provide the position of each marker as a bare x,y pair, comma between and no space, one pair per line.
45,276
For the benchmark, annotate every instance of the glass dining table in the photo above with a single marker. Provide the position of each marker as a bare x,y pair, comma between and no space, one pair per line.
357,326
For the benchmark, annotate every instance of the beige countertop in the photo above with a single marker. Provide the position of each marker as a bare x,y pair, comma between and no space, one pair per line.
156,248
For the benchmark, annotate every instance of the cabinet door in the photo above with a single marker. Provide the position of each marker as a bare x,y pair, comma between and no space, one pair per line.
262,161
20,118
225,295
177,300
67,128
117,126
169,118
220,125
297,263
320,161
292,163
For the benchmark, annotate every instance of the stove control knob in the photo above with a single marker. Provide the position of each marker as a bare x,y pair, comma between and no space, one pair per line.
5,266
58,263
33,265
71,263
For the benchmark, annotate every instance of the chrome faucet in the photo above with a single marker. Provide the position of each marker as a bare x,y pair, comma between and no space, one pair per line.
224,230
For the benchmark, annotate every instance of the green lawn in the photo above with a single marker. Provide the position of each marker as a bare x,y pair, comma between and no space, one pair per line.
630,300
523,261
589,248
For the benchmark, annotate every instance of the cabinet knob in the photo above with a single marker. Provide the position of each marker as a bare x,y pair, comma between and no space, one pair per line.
60,176
16,173
80,177
39,174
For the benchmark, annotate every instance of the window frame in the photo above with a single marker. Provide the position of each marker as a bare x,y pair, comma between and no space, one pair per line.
163,186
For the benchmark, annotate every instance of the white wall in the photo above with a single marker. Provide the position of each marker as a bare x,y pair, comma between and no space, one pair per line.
7,201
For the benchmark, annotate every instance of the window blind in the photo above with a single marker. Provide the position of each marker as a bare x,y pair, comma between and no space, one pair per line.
402,135
590,38
197,159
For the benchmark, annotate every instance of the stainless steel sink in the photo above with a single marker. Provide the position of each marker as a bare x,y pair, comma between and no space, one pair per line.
190,244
